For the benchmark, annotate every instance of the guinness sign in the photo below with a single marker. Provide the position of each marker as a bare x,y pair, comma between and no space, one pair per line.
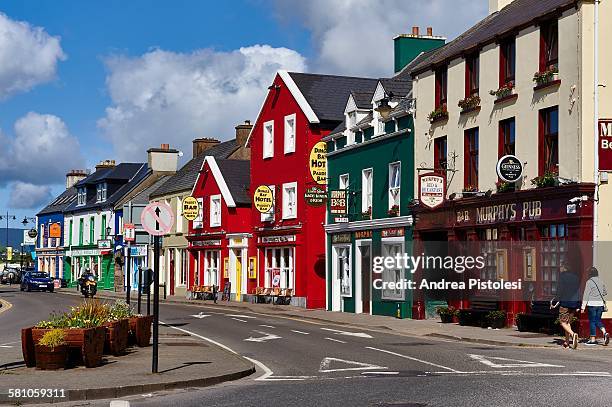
509,168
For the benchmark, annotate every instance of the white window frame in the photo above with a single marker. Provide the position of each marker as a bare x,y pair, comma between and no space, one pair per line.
367,188
393,274
212,263
81,196
215,203
269,216
286,268
268,139
395,191
290,133
351,121
179,217
344,181
289,207
101,190
198,222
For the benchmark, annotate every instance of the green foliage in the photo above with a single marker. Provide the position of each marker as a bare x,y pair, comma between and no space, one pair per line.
496,316
469,102
503,91
53,338
447,311
120,310
549,179
54,321
545,76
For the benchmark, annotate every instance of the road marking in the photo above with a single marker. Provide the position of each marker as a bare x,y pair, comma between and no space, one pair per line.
267,374
238,319
379,373
268,326
411,358
5,305
200,315
334,340
241,316
266,371
519,373
339,332
201,337
6,346
326,363
300,332
488,360
266,337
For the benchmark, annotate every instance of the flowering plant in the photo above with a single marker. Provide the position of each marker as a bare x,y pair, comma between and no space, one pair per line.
439,113
503,186
545,76
470,102
503,91
394,211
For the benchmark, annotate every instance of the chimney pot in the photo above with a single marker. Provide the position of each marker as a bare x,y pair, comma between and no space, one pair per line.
430,31
415,30
200,145
165,146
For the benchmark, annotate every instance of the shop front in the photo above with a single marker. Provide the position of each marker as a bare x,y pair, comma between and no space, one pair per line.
51,261
99,261
138,259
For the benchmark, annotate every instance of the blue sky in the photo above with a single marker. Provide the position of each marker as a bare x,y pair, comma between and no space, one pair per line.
109,79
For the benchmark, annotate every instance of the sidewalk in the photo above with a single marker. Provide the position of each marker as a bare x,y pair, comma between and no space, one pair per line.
184,361
423,328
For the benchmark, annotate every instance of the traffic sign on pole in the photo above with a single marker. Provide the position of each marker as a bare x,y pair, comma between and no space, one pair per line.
157,218
129,232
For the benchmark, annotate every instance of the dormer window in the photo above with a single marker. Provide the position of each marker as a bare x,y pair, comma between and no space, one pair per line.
81,196
101,192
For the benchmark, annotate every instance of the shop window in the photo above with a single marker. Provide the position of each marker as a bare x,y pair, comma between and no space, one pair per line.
394,185
489,246
279,267
553,252
507,137
343,181
549,141
470,157
215,210
549,46
392,249
440,155
343,270
289,134
366,190
290,200
507,61
472,74
268,139
441,87
211,267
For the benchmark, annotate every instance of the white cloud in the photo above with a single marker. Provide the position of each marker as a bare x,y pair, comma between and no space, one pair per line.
28,56
41,152
169,97
28,196
355,37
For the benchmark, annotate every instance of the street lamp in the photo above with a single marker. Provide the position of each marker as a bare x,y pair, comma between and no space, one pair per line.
8,217
108,232
24,222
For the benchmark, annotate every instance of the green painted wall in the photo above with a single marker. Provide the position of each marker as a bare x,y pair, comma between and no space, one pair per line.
407,48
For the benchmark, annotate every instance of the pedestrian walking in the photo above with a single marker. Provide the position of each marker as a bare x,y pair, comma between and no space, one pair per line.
594,301
569,303
215,291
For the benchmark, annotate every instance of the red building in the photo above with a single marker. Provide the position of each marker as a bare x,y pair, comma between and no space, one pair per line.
219,239
298,111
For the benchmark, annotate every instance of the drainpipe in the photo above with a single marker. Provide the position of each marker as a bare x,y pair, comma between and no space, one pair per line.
595,126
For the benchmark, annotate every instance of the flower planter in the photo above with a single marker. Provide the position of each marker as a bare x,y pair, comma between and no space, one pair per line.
446,318
140,330
85,345
48,358
27,347
116,339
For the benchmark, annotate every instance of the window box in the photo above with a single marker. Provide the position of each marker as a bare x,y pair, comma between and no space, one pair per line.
470,189
503,92
439,114
503,186
469,104
546,76
549,179
394,211
367,215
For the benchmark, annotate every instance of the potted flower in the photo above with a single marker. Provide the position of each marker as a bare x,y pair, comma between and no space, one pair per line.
446,314
470,189
441,113
503,186
503,91
52,350
469,103
394,211
367,214
549,179
496,319
546,76
117,328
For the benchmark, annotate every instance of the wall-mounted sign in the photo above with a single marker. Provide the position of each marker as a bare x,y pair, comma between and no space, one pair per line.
338,202
226,265
394,232
509,168
276,278
363,234
318,163
504,212
341,238
315,196
32,233
277,239
104,244
191,208
55,230
605,144
432,189
341,219
263,199
209,242
27,240
129,232
252,267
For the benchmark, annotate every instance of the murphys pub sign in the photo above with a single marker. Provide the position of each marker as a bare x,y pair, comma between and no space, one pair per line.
604,140
432,189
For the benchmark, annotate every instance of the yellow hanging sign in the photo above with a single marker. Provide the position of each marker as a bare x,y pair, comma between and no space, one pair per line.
263,199
191,208
318,163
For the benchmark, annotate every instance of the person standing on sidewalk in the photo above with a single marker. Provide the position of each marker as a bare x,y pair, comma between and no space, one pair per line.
569,303
594,301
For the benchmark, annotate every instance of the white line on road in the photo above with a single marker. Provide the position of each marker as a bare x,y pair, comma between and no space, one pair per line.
238,319
334,340
300,332
241,316
491,361
268,326
266,370
379,373
325,365
264,338
519,373
411,358
339,332
201,337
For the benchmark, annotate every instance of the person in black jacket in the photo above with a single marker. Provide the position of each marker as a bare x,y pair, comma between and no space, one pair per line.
569,303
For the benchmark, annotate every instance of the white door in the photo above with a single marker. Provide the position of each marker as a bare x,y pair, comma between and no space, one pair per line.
341,280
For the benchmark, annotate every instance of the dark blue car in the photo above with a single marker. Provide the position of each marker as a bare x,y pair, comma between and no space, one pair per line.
36,281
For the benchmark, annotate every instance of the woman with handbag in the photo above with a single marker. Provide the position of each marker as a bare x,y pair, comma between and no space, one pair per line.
594,300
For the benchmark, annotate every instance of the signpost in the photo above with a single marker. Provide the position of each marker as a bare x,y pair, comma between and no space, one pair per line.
129,235
157,219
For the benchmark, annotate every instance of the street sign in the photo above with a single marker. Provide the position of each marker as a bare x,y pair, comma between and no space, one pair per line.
191,208
263,199
104,244
129,232
157,218
27,240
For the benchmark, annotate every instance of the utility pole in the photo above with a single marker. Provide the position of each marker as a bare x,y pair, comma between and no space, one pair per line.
8,217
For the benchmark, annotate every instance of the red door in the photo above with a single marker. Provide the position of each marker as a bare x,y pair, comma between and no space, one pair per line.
171,272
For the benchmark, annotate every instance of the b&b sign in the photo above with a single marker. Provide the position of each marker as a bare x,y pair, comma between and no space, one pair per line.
605,144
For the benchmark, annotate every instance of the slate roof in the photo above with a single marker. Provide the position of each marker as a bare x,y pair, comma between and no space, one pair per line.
363,100
142,198
60,203
339,129
327,94
237,175
518,14
366,120
185,178
399,87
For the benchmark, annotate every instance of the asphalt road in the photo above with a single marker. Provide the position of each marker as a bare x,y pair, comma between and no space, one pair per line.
304,363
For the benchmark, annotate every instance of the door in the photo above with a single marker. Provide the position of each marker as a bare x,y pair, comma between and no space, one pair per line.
172,270
238,273
364,277
341,281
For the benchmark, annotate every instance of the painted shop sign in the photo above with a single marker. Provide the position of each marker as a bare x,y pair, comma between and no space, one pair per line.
191,208
318,163
341,238
263,199
83,252
104,244
209,242
363,234
395,232
432,189
509,168
138,251
507,212
315,196
605,144
55,230
338,202
277,239
341,219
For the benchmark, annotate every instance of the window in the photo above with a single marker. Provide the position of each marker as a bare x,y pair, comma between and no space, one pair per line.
441,87
179,215
279,267
343,182
440,154
290,134
198,222
43,238
549,141
549,46
269,216
215,210
366,190
70,233
81,230
394,185
101,192
92,229
352,120
507,137
290,200
103,227
552,254
507,61
81,196
184,267
392,248
472,73
211,267
470,169
268,139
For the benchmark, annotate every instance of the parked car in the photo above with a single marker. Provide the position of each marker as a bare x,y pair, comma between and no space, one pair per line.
36,281
10,275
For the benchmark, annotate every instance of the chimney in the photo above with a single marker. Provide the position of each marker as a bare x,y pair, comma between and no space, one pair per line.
200,145
163,159
242,133
429,31
496,5
105,164
409,46
75,176
415,31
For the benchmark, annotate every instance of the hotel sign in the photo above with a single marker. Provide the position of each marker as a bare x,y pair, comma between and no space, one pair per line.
318,163
277,239
432,189
604,141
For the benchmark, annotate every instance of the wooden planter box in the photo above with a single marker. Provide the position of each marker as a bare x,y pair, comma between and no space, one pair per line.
116,339
140,330
27,347
85,345
51,358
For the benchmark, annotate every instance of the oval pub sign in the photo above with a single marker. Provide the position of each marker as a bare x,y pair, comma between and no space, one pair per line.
263,199
318,163
432,189
509,168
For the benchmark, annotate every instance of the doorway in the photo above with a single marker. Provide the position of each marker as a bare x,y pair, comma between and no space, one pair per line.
363,277
341,280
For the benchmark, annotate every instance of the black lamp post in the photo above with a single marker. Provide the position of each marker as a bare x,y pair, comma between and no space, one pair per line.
24,222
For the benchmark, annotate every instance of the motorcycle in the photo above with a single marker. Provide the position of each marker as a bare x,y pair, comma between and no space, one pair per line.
89,286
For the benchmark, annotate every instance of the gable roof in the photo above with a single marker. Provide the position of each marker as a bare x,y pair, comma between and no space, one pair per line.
363,100
142,198
398,87
185,178
232,178
60,203
518,14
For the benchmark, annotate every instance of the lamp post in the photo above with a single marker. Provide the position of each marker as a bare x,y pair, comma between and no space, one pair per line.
8,217
25,222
